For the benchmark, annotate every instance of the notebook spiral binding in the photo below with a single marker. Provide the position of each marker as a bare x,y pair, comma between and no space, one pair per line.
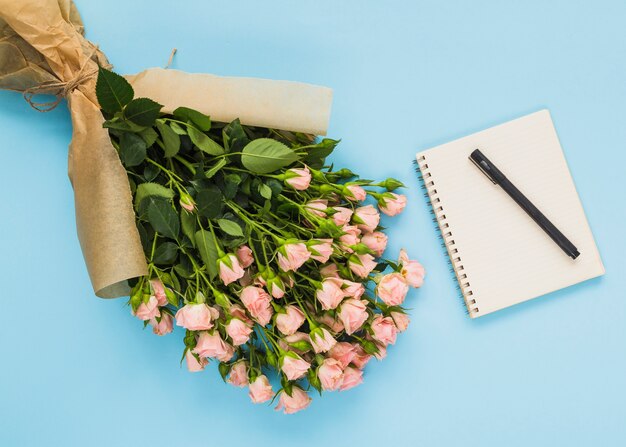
445,234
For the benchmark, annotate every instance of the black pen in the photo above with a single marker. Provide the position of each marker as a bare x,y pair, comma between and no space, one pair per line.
498,178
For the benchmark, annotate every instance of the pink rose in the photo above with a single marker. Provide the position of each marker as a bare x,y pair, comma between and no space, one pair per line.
212,345
289,322
257,301
392,289
321,249
330,374
376,241
353,314
361,265
360,356
298,178
392,203
401,320
333,323
158,290
317,207
292,256
238,331
294,366
384,329
245,256
236,311
343,352
366,218
412,271
322,340
350,236
148,311
193,365
260,390
352,289
239,374
330,271
342,215
195,317
355,192
230,270
330,295
351,378
165,326
298,400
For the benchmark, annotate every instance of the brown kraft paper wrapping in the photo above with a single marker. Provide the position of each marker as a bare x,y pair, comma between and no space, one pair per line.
43,50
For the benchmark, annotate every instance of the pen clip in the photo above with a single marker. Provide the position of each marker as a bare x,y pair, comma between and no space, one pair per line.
476,158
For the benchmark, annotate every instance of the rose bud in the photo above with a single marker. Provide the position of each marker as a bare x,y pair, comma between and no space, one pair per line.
343,352
187,203
361,265
257,302
193,365
366,218
294,366
212,345
330,374
401,320
352,314
376,241
165,326
298,400
322,340
245,257
298,178
238,331
354,192
195,317
289,321
229,268
412,271
384,329
351,378
317,207
239,374
291,256
321,249
330,294
391,203
342,215
148,310
260,390
392,289
158,290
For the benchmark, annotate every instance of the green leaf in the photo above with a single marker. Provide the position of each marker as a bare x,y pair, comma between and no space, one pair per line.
142,111
124,126
215,168
317,154
231,185
201,121
266,155
209,202
163,218
188,225
206,244
229,227
113,91
177,128
171,140
265,191
151,189
132,149
165,253
204,143
149,135
234,136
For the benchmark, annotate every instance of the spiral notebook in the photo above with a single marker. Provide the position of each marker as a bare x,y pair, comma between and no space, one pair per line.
499,255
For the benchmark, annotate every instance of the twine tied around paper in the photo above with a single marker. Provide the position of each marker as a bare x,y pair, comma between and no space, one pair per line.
61,89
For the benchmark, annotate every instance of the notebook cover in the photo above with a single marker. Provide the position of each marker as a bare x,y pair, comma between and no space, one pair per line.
500,256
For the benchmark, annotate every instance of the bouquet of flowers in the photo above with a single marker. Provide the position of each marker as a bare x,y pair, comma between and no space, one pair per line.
267,257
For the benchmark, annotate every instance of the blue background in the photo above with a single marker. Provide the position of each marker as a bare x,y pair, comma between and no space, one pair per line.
77,370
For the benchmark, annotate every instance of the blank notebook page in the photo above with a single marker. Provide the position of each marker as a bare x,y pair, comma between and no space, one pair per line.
500,255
